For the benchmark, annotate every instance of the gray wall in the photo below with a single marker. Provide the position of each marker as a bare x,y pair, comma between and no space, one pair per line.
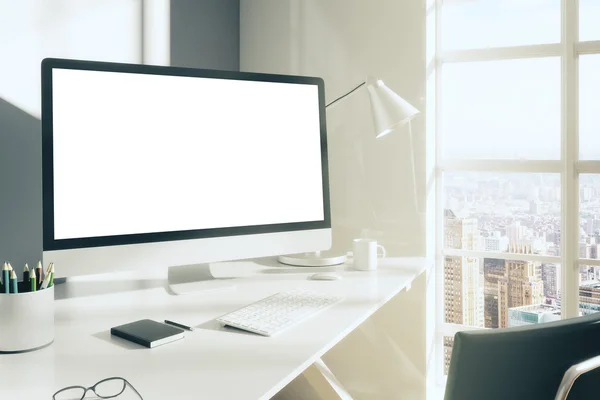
204,34
20,186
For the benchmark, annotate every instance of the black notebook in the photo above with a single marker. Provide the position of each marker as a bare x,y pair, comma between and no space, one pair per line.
148,333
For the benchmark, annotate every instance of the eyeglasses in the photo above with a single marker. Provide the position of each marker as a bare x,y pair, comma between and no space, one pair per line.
105,389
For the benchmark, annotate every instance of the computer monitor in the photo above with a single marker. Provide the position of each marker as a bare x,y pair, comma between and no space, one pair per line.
148,166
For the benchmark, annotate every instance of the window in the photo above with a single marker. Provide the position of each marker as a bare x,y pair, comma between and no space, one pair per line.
521,97
589,118
589,11
517,134
500,23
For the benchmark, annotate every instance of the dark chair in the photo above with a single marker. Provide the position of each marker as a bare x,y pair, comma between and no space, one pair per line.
527,362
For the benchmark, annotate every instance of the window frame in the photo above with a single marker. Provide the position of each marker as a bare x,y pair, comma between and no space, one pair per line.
568,166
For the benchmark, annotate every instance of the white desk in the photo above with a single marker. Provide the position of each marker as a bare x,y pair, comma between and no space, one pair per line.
210,363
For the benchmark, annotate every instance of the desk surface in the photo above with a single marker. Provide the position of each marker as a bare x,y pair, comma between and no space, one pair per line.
212,362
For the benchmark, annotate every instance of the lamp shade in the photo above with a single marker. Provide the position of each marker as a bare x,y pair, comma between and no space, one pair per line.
389,109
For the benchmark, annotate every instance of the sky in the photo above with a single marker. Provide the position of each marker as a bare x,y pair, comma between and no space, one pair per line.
511,109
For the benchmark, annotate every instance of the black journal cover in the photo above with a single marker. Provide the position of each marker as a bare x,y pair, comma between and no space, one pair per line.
148,333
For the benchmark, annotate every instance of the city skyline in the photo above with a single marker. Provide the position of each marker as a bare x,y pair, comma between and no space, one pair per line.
511,213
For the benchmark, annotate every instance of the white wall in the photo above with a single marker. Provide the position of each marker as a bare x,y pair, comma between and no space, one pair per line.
31,30
343,42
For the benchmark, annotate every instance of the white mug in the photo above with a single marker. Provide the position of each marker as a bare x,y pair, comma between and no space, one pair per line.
365,254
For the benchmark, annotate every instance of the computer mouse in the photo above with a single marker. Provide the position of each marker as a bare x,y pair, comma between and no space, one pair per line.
325,276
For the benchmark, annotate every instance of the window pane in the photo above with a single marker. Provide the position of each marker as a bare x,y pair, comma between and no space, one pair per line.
589,215
490,211
589,289
589,14
501,212
493,23
589,96
507,109
495,293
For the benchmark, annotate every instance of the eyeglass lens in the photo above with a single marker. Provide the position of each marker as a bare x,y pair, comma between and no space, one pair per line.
70,394
110,388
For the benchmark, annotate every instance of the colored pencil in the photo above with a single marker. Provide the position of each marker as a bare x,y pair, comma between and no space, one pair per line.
33,280
26,282
14,286
6,277
51,276
2,274
39,273
47,278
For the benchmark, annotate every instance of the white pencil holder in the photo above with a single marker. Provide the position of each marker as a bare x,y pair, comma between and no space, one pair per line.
26,321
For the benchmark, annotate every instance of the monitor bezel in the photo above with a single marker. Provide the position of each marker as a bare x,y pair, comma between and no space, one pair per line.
51,243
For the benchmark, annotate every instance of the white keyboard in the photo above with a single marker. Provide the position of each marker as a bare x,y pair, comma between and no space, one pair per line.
276,313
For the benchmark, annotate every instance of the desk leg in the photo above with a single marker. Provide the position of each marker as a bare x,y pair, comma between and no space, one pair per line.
320,377
317,382
385,357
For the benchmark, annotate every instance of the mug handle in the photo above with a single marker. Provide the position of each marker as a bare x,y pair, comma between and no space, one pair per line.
382,250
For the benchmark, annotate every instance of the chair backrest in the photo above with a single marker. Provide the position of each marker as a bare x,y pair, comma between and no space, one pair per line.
526,362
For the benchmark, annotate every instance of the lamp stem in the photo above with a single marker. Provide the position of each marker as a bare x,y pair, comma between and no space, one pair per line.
347,94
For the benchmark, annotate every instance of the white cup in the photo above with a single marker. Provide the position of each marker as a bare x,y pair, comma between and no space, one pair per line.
365,254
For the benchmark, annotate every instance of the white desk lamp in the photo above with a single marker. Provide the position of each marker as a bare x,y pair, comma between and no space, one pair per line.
390,111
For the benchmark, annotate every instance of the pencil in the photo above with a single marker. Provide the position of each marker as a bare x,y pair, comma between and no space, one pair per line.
33,281
26,282
14,282
46,278
51,276
5,277
2,274
39,272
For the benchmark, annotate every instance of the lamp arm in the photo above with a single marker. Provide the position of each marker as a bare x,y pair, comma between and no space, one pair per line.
347,94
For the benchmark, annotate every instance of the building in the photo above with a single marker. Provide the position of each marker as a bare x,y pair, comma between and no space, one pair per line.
586,273
593,251
584,249
463,276
551,280
532,314
586,193
463,291
589,297
592,225
496,242
534,207
472,291
452,230
493,271
515,232
522,285
448,343
453,308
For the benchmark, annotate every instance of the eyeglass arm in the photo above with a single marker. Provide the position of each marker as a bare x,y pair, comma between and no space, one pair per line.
573,373
132,388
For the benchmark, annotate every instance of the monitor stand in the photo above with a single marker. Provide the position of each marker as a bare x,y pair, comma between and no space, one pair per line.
316,259
196,279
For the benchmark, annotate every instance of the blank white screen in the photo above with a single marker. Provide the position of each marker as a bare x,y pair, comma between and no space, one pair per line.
136,153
